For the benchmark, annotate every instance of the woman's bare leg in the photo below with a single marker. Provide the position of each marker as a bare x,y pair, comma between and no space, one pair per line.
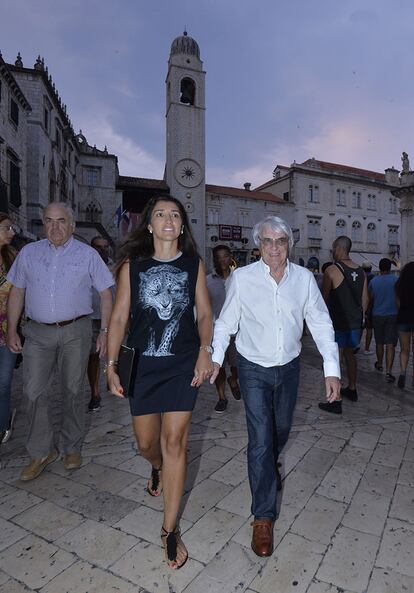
405,350
174,435
147,430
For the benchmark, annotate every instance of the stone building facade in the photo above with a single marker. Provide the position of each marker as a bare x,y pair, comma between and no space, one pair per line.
14,112
231,214
333,199
58,164
98,196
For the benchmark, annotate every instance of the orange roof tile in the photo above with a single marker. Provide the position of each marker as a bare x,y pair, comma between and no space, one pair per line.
336,167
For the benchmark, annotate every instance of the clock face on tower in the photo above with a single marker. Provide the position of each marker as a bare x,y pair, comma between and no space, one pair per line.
188,173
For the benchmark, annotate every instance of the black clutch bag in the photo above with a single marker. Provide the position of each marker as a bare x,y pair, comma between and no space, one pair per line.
127,368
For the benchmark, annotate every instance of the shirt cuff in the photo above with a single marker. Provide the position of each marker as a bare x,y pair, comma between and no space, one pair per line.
331,369
218,356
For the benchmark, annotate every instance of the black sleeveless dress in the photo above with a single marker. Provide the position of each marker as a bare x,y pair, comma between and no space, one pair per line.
164,332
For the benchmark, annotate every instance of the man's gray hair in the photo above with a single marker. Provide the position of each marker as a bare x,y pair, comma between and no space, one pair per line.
278,225
62,205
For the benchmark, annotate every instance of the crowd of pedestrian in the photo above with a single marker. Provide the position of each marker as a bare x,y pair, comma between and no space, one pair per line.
57,307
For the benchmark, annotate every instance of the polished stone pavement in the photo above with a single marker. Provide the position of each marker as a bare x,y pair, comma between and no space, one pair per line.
346,519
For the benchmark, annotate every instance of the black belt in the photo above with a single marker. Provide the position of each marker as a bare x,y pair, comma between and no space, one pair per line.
61,323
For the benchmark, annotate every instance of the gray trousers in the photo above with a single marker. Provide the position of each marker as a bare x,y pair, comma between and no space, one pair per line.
65,349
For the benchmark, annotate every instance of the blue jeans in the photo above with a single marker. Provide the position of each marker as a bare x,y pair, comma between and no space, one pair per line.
7,362
269,396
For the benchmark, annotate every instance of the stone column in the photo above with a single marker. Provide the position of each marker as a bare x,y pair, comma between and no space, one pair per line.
406,195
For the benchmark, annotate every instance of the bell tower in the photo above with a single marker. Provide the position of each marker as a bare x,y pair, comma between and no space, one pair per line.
185,158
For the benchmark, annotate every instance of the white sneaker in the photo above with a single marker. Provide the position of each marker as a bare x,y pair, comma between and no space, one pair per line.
8,432
368,352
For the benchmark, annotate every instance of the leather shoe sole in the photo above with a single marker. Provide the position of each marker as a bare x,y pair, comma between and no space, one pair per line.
36,466
72,461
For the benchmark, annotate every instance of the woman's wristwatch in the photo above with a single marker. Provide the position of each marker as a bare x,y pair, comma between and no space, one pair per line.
208,349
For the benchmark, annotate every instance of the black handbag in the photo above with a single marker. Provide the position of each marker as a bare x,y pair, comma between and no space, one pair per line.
127,369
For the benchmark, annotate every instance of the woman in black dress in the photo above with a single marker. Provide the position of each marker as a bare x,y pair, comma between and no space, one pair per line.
404,289
160,280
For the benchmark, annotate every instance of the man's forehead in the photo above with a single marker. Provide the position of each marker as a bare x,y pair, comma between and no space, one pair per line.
271,233
56,212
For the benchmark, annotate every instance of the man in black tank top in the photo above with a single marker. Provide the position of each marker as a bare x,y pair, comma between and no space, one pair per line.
345,292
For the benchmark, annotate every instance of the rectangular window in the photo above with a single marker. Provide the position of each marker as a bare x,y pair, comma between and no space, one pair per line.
340,197
286,196
92,176
314,229
15,195
393,206
313,193
14,112
356,199
46,119
244,218
372,202
392,235
57,139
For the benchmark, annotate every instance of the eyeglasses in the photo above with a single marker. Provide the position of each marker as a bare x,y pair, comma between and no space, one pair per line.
9,227
268,242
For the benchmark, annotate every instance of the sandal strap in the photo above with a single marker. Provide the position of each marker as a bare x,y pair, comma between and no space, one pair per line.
171,542
155,478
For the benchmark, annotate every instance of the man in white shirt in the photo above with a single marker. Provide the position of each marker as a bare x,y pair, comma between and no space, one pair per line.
266,305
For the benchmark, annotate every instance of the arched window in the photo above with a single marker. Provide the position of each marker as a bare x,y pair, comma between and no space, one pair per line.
187,89
93,212
340,228
356,231
371,233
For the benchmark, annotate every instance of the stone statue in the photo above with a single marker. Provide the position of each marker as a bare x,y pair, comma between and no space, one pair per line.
405,163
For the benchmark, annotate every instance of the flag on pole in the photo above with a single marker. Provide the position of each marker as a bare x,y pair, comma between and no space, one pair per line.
117,216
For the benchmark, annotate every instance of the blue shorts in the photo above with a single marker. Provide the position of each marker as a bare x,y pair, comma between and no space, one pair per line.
348,338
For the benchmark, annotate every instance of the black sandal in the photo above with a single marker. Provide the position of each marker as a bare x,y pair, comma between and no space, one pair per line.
170,540
154,482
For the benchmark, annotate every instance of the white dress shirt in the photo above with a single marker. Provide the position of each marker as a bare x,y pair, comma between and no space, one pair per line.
268,317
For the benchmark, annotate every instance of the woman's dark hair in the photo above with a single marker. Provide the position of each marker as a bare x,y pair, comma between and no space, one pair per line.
405,281
140,244
8,253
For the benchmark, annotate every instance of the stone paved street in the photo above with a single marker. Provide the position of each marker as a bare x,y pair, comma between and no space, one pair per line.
346,522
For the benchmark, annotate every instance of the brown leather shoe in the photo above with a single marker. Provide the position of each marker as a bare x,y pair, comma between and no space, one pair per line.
36,466
262,538
72,461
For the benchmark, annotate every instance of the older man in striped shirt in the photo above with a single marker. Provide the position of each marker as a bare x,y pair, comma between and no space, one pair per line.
53,278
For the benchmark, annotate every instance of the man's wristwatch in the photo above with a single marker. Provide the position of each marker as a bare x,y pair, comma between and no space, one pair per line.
104,330
208,349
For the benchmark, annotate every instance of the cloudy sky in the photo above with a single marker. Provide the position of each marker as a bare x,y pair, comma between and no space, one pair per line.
286,79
